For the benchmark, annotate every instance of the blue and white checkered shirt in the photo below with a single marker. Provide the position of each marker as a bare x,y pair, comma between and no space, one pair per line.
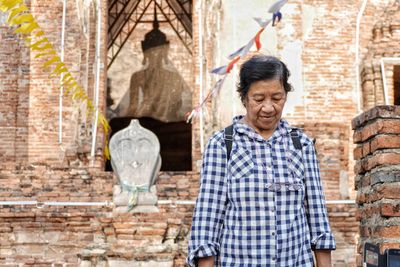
265,207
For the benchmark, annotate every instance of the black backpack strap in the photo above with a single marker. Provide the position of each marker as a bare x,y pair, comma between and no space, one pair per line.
228,137
294,134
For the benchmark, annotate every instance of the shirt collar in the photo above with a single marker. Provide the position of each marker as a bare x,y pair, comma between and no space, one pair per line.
243,128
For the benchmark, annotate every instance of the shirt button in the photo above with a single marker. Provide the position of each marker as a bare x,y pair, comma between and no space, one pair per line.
273,233
273,258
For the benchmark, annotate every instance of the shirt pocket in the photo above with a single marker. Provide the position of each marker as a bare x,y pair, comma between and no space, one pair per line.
290,176
241,164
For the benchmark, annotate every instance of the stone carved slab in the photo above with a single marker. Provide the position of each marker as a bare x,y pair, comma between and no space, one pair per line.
135,158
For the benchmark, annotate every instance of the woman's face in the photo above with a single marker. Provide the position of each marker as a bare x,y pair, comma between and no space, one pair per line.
264,105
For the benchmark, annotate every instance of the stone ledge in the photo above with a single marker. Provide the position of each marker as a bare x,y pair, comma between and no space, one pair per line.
374,113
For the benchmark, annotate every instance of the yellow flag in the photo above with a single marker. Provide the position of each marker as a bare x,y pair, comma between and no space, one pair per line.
16,11
6,5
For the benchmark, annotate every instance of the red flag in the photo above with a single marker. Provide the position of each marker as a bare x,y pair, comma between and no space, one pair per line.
230,65
257,39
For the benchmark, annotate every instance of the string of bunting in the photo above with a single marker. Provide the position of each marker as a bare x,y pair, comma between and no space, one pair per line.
237,55
26,25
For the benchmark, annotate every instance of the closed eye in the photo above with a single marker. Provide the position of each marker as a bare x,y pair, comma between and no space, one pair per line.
258,100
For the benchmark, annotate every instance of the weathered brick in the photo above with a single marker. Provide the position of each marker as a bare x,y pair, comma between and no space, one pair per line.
387,126
383,176
358,152
385,141
376,112
366,149
390,210
358,167
381,159
357,137
388,191
150,231
386,232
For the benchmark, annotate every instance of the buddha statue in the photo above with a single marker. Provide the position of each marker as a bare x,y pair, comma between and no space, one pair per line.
157,90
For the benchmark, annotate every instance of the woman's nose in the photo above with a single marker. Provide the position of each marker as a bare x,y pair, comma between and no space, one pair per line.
267,106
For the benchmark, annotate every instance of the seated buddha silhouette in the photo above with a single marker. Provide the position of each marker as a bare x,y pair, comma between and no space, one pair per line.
157,90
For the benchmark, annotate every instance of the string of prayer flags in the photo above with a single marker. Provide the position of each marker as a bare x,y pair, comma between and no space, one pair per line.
213,92
261,22
243,51
226,69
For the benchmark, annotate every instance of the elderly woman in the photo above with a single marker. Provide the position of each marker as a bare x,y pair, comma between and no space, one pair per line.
262,204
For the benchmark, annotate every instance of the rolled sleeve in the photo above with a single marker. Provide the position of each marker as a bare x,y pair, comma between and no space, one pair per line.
201,252
209,211
318,221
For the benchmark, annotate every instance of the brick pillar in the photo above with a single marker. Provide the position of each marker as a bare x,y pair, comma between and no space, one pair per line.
377,169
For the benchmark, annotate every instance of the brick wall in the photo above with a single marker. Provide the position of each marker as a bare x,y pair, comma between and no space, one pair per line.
332,153
178,185
377,133
33,167
331,144
325,31
76,236
344,226
29,122
14,97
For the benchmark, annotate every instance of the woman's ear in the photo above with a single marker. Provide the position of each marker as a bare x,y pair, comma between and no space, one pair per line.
244,101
